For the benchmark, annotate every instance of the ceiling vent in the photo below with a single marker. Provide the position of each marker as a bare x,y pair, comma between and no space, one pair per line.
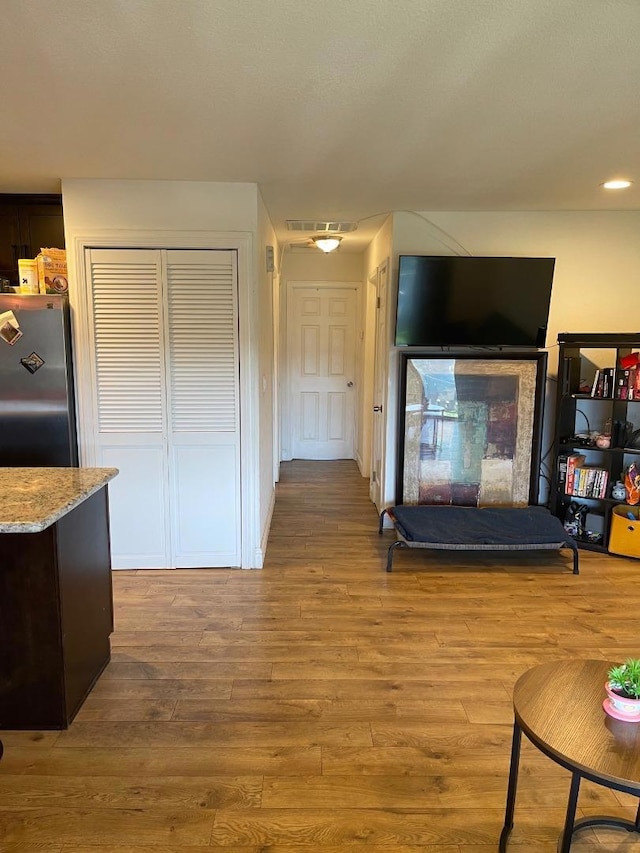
320,227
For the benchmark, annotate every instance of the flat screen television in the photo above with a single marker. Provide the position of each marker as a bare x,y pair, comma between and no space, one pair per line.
453,300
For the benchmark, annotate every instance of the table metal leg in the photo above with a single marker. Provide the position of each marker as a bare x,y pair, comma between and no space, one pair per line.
564,842
513,785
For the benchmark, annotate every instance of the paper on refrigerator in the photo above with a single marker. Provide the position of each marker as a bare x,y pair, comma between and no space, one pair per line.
9,328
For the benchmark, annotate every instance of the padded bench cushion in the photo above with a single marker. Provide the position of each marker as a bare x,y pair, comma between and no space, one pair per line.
496,528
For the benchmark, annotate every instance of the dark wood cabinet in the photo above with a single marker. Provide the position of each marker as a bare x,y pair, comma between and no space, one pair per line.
587,406
28,223
56,617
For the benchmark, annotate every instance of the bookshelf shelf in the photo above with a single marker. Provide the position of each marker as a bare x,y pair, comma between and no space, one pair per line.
597,394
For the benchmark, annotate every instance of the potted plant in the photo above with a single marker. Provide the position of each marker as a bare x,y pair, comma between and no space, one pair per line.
623,691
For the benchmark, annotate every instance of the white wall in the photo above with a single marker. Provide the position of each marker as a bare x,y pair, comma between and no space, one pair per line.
126,211
597,273
381,247
159,205
314,265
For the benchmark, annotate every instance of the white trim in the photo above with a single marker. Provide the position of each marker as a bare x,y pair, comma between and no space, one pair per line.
275,377
262,551
78,241
387,474
381,359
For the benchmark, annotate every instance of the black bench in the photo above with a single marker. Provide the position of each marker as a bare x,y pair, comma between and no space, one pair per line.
461,528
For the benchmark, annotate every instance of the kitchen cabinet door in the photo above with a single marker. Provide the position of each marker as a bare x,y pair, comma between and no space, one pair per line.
41,226
9,243
27,224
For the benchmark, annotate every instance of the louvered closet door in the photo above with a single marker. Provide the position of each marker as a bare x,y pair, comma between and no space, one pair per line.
167,400
130,429
203,422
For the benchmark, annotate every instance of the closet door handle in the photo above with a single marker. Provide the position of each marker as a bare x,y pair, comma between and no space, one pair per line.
25,249
16,254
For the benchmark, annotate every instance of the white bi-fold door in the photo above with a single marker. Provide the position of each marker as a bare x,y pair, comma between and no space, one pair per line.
166,403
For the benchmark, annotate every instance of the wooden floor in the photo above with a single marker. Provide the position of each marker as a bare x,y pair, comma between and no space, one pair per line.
322,704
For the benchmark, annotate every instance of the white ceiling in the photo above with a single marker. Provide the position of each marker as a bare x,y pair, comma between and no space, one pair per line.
338,110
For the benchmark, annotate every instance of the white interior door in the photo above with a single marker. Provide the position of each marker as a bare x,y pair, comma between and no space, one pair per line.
379,415
166,404
321,349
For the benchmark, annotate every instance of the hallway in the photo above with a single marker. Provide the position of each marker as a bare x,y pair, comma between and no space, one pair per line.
321,704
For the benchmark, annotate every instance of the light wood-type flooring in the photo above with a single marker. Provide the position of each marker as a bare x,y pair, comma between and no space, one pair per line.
322,704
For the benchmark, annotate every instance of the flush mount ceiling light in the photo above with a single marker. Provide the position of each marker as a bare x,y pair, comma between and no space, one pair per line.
327,244
617,184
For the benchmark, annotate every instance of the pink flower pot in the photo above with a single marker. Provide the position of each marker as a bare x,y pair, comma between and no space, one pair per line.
621,708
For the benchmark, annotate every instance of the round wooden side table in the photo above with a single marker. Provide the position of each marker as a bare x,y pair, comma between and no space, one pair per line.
558,706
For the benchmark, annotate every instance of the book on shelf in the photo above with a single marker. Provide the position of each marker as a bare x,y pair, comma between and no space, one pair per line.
628,384
570,375
603,484
574,460
562,469
589,481
603,382
600,484
622,385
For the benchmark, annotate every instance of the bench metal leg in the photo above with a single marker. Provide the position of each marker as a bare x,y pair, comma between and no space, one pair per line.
576,570
397,544
381,522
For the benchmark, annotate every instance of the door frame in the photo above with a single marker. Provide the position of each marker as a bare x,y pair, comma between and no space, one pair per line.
286,420
78,241
377,479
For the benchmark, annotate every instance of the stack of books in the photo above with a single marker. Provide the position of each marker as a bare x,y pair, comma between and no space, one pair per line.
618,383
604,382
581,480
628,384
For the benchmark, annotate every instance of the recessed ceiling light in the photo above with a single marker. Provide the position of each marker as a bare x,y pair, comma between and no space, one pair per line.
617,184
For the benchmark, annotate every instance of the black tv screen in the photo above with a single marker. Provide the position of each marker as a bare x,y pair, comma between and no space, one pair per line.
473,301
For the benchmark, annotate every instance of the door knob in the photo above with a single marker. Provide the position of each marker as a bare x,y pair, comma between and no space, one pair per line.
349,384
377,408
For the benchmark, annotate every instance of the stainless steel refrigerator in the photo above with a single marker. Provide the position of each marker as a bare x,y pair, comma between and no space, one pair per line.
37,407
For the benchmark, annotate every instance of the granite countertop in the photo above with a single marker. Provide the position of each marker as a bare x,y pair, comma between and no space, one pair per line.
32,499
